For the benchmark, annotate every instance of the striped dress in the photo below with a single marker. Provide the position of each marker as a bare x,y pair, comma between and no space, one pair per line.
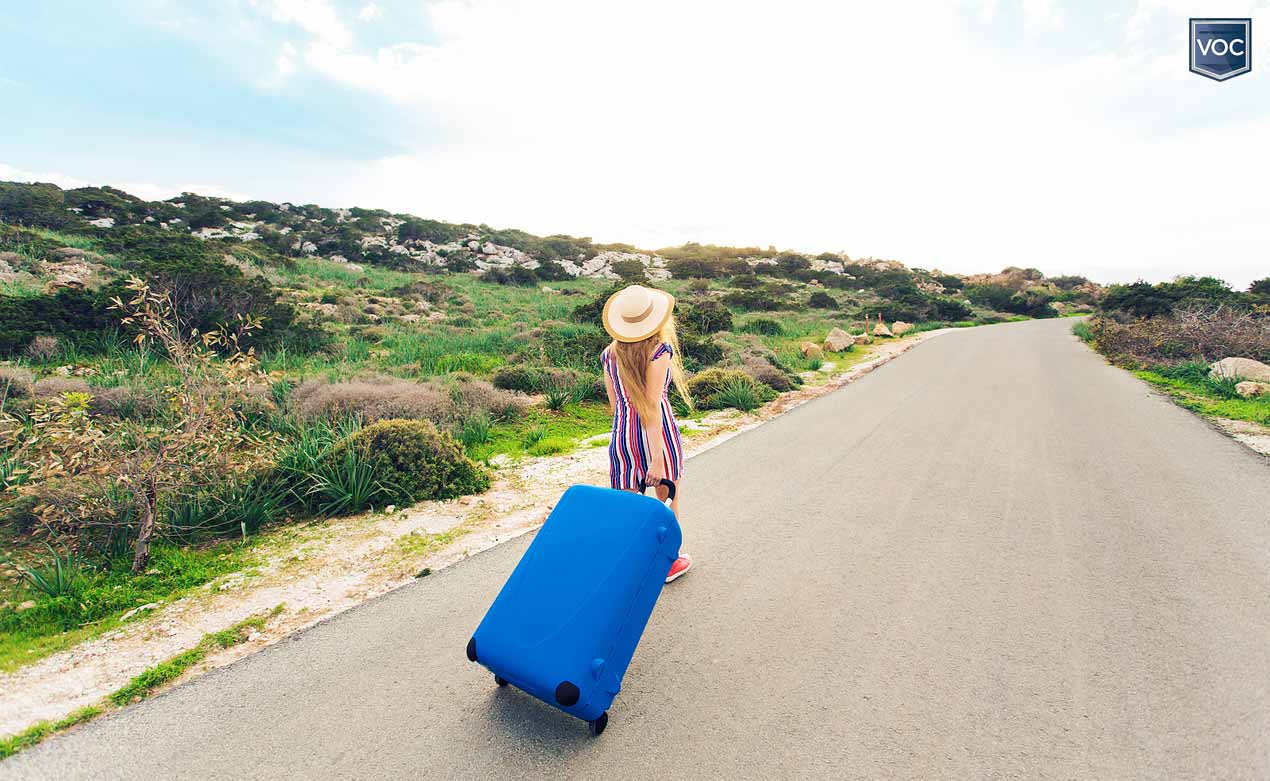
628,449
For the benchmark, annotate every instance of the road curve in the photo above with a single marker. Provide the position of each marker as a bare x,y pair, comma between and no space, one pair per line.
996,556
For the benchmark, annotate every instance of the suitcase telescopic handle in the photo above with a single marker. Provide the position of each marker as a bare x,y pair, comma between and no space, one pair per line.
670,490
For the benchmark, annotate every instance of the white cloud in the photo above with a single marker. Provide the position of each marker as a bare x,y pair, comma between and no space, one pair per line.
811,128
1042,14
315,17
370,12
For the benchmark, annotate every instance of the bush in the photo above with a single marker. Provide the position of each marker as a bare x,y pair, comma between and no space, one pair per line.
763,299
44,347
706,316
18,514
412,461
763,326
630,271
564,344
69,313
698,352
822,300
706,387
445,403
1203,334
16,382
533,379
515,275
589,312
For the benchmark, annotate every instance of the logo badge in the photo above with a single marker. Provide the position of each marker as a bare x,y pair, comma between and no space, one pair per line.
1220,48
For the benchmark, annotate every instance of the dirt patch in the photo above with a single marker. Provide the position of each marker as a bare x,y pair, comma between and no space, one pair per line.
318,569
1254,435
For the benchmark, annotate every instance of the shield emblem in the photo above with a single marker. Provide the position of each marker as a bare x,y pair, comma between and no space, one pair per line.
1220,48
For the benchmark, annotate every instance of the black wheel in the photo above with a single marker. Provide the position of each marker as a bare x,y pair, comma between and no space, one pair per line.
500,680
471,650
599,724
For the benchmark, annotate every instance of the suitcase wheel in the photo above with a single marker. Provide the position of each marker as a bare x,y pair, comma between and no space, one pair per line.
471,650
597,726
500,680
567,694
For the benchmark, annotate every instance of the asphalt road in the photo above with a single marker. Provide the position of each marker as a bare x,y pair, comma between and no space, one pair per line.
996,556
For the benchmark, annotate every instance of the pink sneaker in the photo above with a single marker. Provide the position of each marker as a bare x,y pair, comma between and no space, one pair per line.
681,565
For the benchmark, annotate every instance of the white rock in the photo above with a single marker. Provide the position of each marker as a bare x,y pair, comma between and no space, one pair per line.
1241,369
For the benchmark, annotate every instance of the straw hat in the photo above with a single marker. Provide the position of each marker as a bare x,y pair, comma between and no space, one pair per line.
635,313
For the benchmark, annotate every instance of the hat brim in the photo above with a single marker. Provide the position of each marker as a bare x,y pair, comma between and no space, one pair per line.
649,325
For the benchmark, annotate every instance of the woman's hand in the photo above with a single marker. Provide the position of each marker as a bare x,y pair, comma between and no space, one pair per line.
656,471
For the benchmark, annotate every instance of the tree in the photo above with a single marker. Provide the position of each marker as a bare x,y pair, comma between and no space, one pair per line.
199,442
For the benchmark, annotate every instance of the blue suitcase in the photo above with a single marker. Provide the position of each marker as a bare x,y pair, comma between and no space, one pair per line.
567,621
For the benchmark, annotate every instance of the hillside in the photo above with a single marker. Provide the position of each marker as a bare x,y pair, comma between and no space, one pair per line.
260,237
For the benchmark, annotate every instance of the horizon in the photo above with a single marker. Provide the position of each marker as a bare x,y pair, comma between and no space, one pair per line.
1032,134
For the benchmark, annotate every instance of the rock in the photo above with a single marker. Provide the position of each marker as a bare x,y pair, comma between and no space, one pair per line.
548,289
899,327
827,367
436,317
104,222
837,341
1240,369
488,248
881,330
254,636
69,253
27,605
863,338
1249,388
410,318
811,350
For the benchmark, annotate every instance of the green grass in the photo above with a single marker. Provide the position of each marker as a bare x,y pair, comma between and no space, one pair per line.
1207,397
542,432
142,685
1083,331
36,733
102,594
168,670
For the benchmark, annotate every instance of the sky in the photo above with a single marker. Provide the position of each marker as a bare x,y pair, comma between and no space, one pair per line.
966,135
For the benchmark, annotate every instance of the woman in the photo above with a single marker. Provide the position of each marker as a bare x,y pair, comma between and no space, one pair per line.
639,366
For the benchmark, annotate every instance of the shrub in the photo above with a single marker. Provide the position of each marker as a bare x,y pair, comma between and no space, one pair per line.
706,316
630,271
739,395
766,373
16,382
1203,334
412,461
575,346
764,299
52,387
532,379
44,347
446,403
705,387
822,300
18,514
515,275
589,312
371,399
763,326
698,352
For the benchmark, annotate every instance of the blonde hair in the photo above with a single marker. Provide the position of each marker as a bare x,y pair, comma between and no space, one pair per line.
632,368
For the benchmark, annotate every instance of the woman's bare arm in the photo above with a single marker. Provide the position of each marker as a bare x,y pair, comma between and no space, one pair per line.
654,386
608,388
